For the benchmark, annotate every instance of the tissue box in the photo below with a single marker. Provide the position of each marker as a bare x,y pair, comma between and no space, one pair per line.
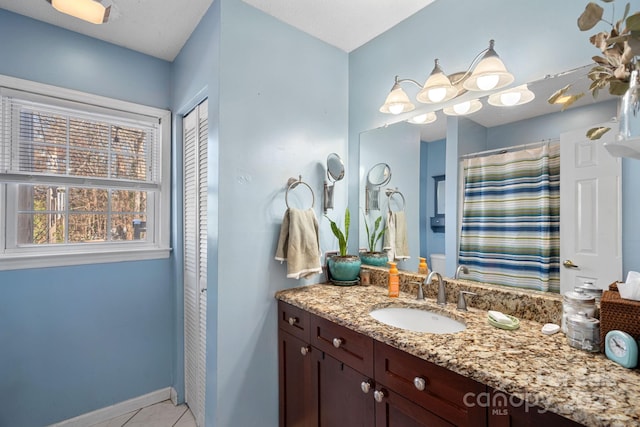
617,313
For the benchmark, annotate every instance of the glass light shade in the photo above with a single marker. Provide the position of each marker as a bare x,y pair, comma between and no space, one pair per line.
437,88
463,108
423,119
489,74
87,10
511,97
397,102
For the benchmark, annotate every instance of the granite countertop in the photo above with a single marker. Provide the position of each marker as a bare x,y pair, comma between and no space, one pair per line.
540,369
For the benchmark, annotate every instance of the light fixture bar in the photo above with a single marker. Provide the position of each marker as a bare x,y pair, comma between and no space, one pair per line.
93,11
487,72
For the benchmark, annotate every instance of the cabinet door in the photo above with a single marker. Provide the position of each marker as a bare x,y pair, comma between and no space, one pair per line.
393,410
338,396
295,381
508,411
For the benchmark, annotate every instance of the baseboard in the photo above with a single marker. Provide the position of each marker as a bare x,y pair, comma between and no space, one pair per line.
118,409
174,396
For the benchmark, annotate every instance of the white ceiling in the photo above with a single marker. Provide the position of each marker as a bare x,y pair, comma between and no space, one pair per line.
161,27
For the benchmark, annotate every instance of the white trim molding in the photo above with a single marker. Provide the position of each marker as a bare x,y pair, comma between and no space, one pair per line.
104,414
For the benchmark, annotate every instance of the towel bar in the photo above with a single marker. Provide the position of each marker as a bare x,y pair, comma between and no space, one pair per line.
293,183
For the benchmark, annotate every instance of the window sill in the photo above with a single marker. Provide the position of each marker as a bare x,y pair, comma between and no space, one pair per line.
18,261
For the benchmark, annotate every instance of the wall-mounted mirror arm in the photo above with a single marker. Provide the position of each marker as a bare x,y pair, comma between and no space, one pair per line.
335,172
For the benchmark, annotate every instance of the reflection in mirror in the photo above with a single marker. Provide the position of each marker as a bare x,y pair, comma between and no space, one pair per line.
442,142
335,172
379,175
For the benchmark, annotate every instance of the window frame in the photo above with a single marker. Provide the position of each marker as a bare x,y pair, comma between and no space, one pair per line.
12,257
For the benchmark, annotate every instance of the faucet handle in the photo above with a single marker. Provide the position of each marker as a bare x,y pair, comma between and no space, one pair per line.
420,291
462,302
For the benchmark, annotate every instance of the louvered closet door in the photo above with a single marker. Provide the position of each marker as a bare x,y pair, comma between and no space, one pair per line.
195,258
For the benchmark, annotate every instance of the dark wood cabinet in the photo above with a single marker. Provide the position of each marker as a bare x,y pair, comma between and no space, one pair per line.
332,376
508,411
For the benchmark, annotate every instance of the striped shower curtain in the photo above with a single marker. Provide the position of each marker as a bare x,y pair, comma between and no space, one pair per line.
511,218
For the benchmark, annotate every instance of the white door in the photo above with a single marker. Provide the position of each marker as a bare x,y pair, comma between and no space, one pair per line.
195,132
590,211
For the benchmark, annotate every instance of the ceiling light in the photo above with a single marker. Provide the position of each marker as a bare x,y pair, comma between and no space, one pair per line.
463,108
397,101
93,11
486,72
511,97
423,119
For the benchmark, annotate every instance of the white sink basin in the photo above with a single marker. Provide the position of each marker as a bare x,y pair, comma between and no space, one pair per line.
417,320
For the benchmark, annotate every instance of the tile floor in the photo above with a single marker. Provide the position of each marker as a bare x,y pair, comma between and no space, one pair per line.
163,414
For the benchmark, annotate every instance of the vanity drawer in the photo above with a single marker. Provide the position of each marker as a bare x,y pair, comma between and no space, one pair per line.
349,347
293,320
430,386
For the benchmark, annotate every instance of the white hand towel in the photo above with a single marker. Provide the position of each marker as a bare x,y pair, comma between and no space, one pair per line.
298,243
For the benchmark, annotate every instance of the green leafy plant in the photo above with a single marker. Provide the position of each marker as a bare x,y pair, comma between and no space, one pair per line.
343,237
372,237
619,49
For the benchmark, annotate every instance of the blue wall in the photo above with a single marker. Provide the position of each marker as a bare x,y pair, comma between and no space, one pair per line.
76,339
267,123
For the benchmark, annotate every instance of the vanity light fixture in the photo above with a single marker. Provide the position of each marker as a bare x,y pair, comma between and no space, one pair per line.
93,11
463,108
511,97
486,72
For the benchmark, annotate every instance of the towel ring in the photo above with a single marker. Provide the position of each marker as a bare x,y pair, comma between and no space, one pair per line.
293,183
389,192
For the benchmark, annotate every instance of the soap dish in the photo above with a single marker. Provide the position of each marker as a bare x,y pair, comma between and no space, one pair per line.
513,326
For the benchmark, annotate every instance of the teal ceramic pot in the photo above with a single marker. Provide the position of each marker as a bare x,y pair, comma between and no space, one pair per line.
379,259
344,268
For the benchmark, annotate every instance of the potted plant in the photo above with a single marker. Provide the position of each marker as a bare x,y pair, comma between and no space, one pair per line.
343,267
373,257
613,70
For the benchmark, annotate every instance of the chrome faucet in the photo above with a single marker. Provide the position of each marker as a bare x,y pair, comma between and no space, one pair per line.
442,296
461,269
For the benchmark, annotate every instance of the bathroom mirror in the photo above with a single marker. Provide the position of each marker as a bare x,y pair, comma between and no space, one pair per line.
335,172
335,167
440,196
426,158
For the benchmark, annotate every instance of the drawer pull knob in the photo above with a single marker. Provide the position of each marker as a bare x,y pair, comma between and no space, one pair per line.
305,350
378,395
419,383
337,342
293,320
365,386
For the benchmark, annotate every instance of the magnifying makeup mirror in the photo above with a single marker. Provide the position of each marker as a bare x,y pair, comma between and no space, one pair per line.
378,175
335,172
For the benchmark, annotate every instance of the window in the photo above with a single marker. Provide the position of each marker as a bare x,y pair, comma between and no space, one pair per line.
85,178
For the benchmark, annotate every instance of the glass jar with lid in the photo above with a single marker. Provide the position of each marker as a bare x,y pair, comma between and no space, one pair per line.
573,302
583,332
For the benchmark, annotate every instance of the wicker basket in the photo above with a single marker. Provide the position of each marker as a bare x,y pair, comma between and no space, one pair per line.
618,314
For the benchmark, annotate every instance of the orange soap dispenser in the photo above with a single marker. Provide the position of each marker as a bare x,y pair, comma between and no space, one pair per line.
394,281
423,268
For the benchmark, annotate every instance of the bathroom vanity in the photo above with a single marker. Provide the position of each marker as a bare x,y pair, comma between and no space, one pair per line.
340,367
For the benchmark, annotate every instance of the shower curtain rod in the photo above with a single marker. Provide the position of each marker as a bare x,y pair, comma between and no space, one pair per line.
509,149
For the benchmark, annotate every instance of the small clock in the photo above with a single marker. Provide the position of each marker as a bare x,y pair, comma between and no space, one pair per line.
621,348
